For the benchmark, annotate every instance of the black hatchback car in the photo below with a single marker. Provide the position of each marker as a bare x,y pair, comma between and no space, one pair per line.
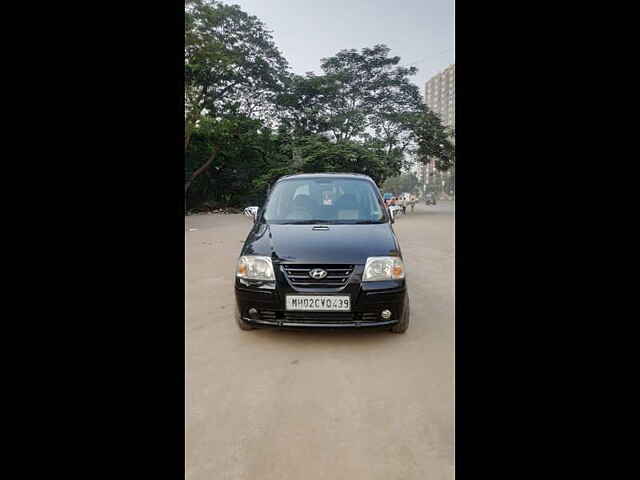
322,254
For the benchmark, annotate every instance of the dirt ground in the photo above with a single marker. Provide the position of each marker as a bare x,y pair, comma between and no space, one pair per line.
278,405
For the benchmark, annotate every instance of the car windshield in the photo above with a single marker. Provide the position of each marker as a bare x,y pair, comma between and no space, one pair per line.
324,200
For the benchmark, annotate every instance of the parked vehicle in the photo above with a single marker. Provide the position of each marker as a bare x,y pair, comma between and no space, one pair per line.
395,210
322,254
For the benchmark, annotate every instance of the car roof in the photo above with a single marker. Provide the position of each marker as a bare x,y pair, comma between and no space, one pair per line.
326,174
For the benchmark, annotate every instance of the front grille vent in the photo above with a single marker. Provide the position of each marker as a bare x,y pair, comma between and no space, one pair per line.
337,275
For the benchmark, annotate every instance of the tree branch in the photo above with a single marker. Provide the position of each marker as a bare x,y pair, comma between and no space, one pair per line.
206,165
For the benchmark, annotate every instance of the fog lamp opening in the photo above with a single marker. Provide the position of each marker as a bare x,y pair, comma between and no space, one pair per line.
386,314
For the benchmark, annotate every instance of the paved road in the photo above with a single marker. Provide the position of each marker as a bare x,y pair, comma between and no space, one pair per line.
275,405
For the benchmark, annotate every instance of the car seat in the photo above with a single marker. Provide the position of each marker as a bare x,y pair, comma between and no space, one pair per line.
302,208
347,207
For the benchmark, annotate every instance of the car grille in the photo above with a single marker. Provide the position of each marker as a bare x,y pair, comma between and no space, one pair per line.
319,317
337,275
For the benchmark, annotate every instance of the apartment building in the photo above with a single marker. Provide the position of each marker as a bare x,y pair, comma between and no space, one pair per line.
440,95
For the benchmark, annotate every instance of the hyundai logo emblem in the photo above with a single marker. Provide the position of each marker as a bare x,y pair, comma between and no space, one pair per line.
317,273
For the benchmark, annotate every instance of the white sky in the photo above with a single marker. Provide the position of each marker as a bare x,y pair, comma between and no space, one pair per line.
420,32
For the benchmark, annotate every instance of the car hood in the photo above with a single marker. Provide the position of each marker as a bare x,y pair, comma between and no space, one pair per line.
350,244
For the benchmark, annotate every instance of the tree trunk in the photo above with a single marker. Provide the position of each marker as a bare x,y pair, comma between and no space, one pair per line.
203,168
187,135
190,124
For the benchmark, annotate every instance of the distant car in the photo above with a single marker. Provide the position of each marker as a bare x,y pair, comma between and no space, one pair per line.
322,254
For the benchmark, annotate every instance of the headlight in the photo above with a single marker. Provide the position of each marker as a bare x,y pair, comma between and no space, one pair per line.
383,268
253,267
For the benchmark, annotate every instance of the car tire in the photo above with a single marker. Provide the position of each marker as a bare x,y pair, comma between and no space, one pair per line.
241,323
403,324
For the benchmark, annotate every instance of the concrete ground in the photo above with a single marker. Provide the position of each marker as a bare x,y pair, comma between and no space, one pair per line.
278,405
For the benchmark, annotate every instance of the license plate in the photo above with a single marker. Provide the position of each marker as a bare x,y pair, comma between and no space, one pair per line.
319,303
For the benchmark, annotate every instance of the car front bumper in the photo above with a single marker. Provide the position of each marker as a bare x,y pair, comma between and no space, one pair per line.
367,304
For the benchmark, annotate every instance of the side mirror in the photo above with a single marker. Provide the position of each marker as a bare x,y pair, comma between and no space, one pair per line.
251,212
392,214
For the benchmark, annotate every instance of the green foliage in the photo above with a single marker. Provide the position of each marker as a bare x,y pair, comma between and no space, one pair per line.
402,183
359,94
231,64
246,151
249,121
434,141
304,104
233,73
319,154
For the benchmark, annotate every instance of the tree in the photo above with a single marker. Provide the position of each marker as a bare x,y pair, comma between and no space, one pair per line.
231,60
249,121
320,154
362,97
371,92
233,72
433,141
402,183
305,104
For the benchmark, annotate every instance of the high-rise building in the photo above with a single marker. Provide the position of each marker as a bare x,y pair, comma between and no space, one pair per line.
440,95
